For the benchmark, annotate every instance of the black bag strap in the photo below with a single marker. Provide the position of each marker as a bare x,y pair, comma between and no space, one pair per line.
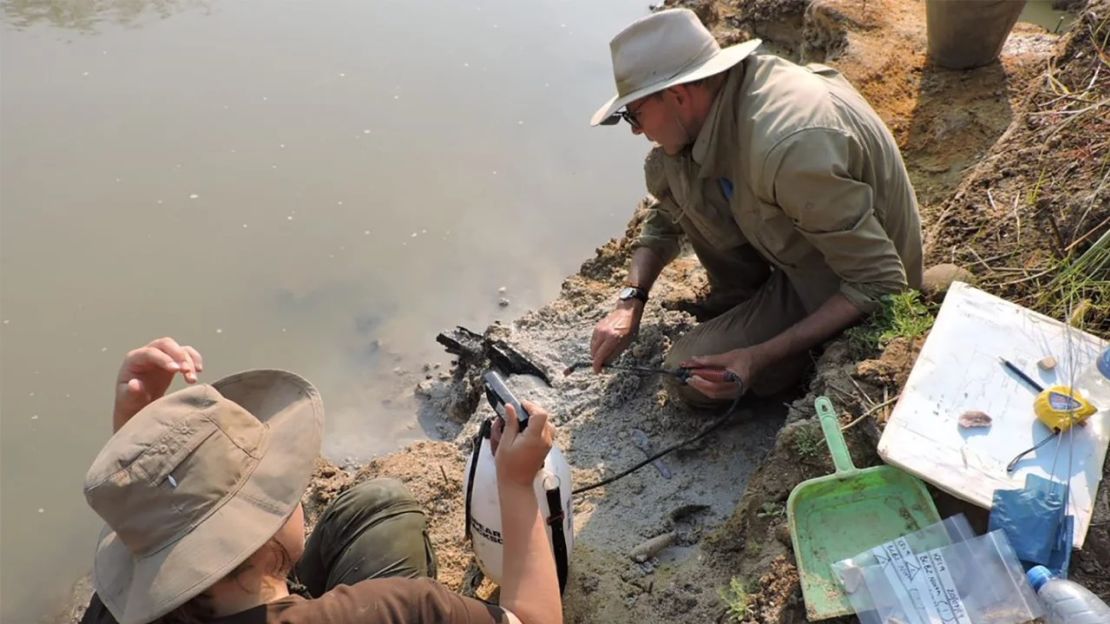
558,539
483,433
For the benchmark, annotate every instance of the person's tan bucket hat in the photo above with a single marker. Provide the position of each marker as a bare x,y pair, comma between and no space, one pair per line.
195,483
662,50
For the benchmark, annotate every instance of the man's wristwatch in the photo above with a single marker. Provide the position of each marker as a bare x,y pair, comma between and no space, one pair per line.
633,292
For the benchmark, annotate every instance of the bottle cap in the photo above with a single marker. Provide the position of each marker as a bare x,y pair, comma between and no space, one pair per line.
1038,576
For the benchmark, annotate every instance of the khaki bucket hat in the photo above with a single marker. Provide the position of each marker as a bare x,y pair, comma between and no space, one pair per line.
195,483
662,50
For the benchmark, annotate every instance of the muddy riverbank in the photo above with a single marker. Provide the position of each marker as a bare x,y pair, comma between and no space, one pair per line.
1018,146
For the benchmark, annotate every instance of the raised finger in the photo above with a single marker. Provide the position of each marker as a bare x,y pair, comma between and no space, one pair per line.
179,354
151,357
198,361
188,368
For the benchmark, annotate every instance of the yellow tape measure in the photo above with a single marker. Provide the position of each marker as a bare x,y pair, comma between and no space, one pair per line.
1061,407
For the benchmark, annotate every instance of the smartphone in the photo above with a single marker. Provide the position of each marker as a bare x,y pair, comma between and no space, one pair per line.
499,395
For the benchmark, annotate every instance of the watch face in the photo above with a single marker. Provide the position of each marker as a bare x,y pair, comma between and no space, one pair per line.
631,292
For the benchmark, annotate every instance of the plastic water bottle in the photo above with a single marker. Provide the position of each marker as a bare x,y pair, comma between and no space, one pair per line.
1067,602
1094,381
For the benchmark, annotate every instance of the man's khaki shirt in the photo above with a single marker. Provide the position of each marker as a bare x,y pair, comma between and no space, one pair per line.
818,189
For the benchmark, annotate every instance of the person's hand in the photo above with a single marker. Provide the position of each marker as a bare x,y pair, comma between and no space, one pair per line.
147,372
615,332
723,376
519,456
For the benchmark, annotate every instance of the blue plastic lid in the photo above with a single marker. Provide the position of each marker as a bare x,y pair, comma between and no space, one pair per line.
1038,576
1104,363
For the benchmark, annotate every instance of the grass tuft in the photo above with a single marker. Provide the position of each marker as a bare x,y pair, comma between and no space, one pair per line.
903,315
737,600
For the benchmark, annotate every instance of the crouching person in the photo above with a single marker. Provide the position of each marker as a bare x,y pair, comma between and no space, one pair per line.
201,491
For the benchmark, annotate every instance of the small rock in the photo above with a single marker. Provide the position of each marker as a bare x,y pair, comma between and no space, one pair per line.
504,303
972,419
939,278
502,290
1047,363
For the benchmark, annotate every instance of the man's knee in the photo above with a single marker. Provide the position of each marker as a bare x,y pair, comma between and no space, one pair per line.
375,496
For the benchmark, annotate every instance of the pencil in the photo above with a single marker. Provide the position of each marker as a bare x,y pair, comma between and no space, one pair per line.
1017,371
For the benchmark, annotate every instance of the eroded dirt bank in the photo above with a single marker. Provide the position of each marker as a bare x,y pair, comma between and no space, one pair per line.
1010,164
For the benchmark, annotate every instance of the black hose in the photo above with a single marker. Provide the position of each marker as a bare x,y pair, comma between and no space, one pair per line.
713,426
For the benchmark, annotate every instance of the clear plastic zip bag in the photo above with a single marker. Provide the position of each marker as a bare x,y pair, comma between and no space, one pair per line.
942,574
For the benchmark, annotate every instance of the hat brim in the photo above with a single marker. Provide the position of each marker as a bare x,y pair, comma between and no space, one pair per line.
138,590
719,62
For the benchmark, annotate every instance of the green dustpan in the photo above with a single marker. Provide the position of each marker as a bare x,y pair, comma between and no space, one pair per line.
844,514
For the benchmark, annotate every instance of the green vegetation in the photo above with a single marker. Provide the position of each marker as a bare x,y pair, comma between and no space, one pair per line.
809,442
903,315
737,599
1079,292
771,510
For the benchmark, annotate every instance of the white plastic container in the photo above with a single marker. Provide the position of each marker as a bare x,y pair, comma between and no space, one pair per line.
485,506
1067,602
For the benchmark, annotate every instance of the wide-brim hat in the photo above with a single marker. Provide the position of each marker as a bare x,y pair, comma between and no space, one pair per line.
195,483
662,50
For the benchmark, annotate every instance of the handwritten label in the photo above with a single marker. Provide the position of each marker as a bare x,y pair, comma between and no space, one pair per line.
922,585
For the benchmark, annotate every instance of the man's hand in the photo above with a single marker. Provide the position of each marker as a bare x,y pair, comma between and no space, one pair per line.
147,372
520,455
744,364
615,332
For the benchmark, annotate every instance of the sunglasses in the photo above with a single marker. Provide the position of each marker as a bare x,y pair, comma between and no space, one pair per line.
625,114
616,118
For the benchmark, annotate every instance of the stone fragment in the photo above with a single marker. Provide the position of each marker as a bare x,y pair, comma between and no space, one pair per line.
654,546
972,419
1047,363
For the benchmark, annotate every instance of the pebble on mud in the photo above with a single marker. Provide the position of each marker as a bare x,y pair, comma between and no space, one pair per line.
503,302
972,419
1047,363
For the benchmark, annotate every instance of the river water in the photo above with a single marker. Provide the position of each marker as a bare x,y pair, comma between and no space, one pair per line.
316,186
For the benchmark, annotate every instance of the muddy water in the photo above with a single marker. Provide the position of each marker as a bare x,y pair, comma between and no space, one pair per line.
1041,13
313,186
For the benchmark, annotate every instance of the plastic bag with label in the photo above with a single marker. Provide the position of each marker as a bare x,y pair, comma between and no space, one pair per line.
942,574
